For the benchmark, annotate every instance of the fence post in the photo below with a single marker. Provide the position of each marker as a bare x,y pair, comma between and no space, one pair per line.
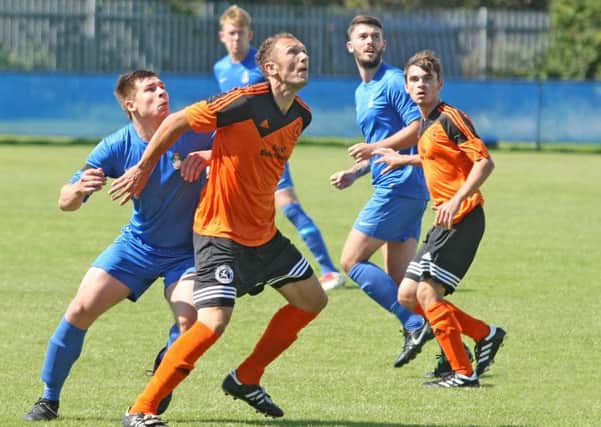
482,18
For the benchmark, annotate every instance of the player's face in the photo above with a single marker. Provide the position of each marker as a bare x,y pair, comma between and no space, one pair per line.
367,45
150,98
236,39
423,86
291,62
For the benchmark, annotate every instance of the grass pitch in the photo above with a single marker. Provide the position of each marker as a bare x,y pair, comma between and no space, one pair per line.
536,274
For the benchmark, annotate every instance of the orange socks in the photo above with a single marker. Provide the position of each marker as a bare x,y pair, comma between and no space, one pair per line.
281,332
175,367
470,326
448,333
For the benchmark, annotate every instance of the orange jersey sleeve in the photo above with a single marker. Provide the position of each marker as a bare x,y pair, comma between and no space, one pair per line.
448,147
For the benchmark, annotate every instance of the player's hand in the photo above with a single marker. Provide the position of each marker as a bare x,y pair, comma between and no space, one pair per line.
445,213
129,185
91,180
391,157
361,151
343,179
193,165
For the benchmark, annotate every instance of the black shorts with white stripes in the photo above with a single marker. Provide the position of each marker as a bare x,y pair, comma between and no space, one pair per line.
446,255
226,270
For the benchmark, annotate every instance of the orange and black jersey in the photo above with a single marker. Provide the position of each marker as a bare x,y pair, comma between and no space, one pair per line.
253,141
448,147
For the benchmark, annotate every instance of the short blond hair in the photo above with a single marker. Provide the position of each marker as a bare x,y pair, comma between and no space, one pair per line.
237,16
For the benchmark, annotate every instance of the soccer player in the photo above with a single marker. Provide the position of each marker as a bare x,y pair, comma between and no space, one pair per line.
237,245
456,163
239,68
155,243
392,218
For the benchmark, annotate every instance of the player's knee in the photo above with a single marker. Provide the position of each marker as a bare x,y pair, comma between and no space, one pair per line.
81,315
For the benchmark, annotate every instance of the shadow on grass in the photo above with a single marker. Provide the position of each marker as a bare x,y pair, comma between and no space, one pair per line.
307,423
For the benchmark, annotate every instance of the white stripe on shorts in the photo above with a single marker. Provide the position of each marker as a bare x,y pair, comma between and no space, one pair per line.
212,292
297,270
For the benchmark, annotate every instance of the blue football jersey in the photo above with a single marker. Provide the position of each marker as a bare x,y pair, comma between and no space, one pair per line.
230,75
163,215
383,107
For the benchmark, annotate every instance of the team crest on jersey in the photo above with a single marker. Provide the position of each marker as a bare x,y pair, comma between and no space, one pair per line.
224,274
176,161
245,77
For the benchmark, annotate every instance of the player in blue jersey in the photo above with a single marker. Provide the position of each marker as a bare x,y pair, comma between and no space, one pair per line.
239,68
392,218
157,241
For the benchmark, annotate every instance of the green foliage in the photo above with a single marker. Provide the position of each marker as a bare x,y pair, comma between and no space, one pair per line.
575,51
536,274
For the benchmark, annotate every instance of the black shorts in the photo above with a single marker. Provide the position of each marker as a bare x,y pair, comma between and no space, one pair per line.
446,255
226,270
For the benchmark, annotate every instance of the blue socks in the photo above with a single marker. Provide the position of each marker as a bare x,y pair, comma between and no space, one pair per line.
64,348
380,287
311,235
173,335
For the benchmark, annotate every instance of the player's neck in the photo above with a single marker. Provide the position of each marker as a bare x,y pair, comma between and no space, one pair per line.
367,74
283,95
426,109
236,58
146,128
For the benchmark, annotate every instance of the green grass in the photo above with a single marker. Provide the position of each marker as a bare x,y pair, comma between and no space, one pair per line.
537,274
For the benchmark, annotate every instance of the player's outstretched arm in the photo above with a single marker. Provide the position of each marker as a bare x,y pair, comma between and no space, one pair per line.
346,178
133,181
72,195
395,160
402,139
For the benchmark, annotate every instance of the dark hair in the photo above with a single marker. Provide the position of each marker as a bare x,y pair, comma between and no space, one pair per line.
126,85
264,53
363,19
427,61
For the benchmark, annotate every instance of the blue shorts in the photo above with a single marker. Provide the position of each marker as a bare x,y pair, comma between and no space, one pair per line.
138,265
390,217
285,180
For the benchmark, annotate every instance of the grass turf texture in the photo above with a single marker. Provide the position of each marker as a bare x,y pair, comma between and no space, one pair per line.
536,274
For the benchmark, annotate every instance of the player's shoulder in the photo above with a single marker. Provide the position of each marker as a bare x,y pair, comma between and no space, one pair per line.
121,136
451,113
390,72
222,63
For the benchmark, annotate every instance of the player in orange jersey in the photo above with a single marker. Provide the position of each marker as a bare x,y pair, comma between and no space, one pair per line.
237,246
456,163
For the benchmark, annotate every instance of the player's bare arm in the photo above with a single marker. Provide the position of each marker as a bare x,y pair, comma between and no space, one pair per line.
402,139
346,178
481,170
72,195
133,181
395,160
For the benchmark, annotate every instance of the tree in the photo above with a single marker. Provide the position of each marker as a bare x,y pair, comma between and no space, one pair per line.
575,51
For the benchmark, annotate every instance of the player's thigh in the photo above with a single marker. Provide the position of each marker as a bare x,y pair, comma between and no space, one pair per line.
358,247
97,292
307,294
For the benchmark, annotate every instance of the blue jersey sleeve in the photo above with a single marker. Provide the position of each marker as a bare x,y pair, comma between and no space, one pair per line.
400,99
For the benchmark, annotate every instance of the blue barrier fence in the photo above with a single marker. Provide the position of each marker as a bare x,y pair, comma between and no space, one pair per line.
52,104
